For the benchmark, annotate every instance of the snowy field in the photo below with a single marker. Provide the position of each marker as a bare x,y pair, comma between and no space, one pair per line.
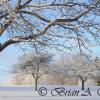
28,93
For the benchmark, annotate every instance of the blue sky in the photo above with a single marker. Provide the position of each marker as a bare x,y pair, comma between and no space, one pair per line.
7,58
10,55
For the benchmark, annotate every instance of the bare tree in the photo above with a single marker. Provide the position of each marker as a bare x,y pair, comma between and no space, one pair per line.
54,23
81,67
96,63
62,69
35,64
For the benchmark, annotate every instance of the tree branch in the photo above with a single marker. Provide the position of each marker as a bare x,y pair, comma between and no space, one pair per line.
8,23
27,2
9,42
34,36
36,15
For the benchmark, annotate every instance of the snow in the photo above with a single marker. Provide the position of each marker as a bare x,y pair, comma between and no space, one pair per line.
28,93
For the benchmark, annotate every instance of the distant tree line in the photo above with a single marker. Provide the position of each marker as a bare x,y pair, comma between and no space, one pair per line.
38,64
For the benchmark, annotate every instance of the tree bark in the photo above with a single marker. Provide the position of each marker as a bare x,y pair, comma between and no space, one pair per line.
83,80
36,81
36,84
82,84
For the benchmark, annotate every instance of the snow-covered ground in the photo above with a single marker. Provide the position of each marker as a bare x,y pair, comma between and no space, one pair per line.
58,93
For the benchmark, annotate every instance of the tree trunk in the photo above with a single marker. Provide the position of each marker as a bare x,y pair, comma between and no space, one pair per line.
36,83
83,82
